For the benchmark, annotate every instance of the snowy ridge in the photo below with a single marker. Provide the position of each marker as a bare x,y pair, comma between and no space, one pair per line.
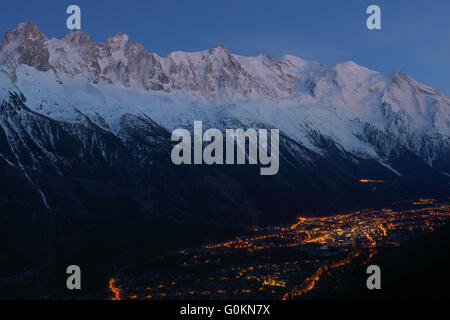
364,112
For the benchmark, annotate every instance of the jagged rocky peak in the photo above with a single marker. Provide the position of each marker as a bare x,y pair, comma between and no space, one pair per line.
403,81
219,56
121,43
26,30
221,50
214,74
209,74
77,38
294,61
28,44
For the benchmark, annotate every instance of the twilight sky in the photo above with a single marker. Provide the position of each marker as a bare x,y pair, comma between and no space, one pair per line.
415,35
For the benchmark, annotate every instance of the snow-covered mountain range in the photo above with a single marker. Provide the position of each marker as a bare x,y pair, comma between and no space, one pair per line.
85,143
76,80
71,104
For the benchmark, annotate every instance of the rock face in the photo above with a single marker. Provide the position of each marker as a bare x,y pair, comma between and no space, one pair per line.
85,143
27,43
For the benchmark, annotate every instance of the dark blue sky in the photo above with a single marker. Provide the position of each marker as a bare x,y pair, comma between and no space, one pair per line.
415,35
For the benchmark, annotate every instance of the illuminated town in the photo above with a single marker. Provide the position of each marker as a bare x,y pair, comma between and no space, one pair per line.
281,262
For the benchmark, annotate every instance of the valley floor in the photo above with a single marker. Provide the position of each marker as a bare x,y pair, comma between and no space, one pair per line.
313,258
